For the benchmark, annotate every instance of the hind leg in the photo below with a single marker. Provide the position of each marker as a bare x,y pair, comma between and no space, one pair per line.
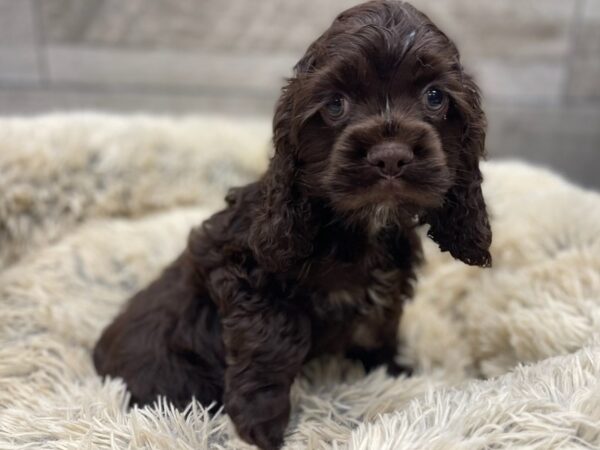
167,342
157,362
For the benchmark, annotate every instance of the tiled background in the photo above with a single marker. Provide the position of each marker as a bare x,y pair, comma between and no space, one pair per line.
538,62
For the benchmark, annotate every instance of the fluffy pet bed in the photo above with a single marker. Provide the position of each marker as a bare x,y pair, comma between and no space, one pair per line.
92,207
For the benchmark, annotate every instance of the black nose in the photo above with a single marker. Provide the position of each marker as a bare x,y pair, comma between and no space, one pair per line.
390,157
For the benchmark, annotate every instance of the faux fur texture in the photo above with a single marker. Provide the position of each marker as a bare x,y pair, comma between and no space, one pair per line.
60,171
92,207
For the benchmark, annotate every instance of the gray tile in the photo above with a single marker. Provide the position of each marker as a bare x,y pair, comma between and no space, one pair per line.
96,22
566,139
168,69
584,68
509,29
520,81
18,56
590,10
16,23
584,81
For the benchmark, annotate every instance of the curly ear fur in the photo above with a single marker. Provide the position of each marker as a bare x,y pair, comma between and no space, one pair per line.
461,225
281,233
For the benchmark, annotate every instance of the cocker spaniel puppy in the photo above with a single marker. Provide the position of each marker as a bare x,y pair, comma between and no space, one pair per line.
378,131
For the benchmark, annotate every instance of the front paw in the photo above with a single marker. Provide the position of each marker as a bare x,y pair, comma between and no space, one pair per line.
265,435
260,418
394,369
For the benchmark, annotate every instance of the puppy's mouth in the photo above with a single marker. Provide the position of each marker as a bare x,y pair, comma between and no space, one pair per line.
390,184
391,192
396,189
387,189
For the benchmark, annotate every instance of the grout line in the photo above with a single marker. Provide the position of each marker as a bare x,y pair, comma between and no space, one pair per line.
84,17
40,43
138,16
574,37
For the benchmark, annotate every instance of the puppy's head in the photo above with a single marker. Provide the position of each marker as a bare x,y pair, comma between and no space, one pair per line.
380,122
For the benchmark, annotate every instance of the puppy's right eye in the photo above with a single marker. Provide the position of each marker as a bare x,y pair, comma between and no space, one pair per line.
336,107
435,99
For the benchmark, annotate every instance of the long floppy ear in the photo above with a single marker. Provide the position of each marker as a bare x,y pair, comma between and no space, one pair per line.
282,231
461,225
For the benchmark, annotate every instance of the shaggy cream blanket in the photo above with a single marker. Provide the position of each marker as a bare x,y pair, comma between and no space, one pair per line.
93,206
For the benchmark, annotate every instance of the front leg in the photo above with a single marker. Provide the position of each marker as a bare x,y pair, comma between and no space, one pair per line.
266,342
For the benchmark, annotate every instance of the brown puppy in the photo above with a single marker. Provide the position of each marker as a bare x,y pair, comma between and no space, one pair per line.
379,130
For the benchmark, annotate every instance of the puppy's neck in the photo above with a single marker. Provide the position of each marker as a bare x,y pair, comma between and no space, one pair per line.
358,229
382,216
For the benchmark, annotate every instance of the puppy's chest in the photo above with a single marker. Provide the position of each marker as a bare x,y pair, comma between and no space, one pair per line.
373,294
356,314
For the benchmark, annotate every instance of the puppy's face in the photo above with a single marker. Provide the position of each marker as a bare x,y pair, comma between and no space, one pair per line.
379,108
380,123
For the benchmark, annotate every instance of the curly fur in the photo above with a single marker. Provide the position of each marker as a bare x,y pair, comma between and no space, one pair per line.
297,265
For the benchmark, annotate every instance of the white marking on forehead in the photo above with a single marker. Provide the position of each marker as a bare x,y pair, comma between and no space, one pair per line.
387,114
408,43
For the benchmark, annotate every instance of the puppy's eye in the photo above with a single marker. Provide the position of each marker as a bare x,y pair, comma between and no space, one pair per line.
435,99
336,107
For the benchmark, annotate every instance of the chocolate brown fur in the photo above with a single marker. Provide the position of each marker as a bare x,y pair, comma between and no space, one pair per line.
318,256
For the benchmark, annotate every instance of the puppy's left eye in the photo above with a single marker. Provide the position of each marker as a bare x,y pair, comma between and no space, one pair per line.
435,99
336,107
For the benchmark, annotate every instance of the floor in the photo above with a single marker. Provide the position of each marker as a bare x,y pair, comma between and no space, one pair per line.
538,63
